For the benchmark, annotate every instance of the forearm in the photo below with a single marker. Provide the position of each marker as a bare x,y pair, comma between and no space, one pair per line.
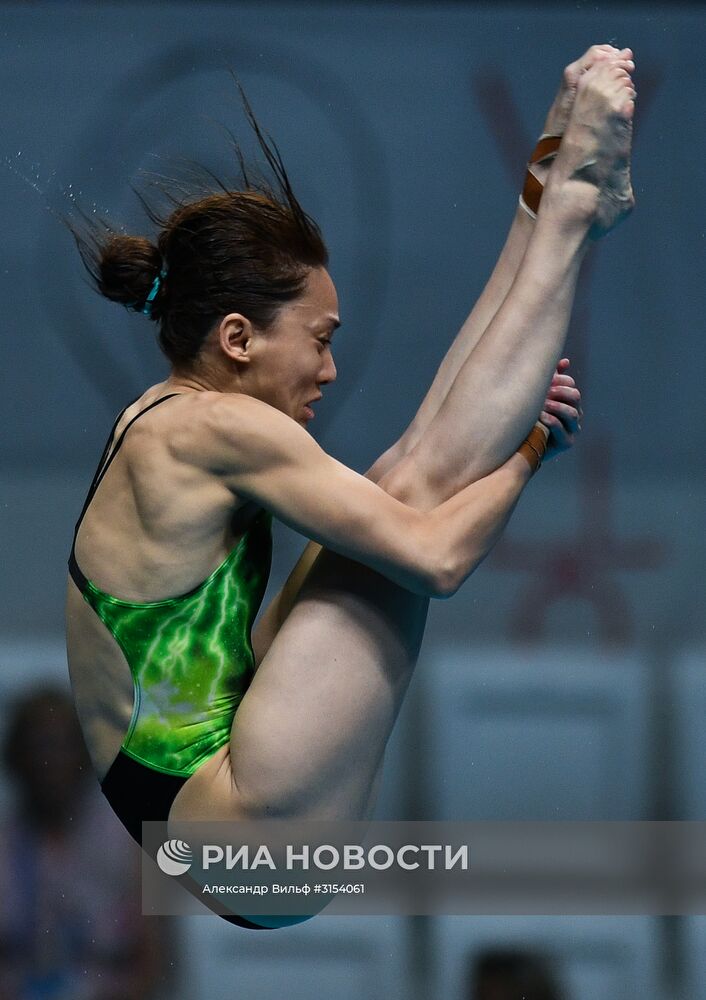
466,527
448,542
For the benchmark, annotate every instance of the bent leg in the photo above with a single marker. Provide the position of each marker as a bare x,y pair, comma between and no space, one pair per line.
504,272
418,444
493,401
310,733
327,694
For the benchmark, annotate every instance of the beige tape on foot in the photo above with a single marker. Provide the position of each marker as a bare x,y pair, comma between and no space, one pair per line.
546,149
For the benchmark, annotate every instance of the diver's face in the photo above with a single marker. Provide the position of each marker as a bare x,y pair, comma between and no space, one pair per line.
292,359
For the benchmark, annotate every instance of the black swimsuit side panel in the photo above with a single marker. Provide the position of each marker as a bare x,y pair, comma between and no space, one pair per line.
137,793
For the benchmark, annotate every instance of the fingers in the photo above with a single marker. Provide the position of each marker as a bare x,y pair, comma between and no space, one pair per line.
558,379
564,401
565,392
560,438
562,411
567,415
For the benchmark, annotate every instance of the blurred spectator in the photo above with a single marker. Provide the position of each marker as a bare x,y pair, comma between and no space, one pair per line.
70,921
513,974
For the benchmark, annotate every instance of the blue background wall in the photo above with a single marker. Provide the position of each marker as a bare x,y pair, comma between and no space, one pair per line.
404,128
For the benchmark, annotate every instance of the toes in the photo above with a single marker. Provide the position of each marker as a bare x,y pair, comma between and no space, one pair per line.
598,53
571,74
626,64
613,81
615,69
591,56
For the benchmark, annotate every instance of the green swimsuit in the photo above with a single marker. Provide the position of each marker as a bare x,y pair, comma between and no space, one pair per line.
191,661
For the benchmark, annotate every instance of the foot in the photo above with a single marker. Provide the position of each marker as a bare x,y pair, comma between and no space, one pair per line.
590,177
559,113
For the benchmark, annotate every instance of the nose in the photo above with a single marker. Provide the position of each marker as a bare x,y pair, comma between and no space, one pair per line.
328,372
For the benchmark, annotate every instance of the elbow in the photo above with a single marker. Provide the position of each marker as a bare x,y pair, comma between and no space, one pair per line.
437,567
446,580
432,582
444,563
452,573
443,589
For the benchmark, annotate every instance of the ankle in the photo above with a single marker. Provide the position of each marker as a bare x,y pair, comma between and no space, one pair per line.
571,204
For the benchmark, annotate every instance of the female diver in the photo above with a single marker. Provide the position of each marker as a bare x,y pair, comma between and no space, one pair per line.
183,717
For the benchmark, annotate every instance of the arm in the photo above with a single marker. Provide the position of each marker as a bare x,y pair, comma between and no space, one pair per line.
562,418
266,457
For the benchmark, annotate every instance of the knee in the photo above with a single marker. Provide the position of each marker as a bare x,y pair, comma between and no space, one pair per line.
408,482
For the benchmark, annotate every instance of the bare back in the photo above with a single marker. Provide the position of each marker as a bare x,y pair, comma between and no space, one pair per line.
156,527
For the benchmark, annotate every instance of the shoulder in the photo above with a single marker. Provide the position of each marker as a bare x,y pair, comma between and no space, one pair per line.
220,431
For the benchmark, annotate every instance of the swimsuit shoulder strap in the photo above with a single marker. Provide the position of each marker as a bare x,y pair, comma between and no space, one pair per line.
103,465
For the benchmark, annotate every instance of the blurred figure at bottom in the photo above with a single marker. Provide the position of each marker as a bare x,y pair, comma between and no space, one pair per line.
70,921
513,974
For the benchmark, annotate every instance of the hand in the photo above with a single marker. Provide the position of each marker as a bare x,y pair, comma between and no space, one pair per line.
562,412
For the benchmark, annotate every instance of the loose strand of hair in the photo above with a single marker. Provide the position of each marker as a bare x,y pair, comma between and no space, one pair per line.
274,158
235,145
90,239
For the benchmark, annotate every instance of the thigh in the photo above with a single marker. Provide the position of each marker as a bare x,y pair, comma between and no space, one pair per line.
309,735
211,794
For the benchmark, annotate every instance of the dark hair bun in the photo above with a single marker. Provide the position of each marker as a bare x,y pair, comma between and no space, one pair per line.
127,268
248,249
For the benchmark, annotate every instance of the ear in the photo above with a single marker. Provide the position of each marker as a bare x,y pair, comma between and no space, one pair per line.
235,336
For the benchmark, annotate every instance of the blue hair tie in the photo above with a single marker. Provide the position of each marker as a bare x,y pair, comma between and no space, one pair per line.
147,310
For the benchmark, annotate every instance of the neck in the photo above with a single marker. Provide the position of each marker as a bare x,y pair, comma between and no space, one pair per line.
179,381
198,381
204,377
